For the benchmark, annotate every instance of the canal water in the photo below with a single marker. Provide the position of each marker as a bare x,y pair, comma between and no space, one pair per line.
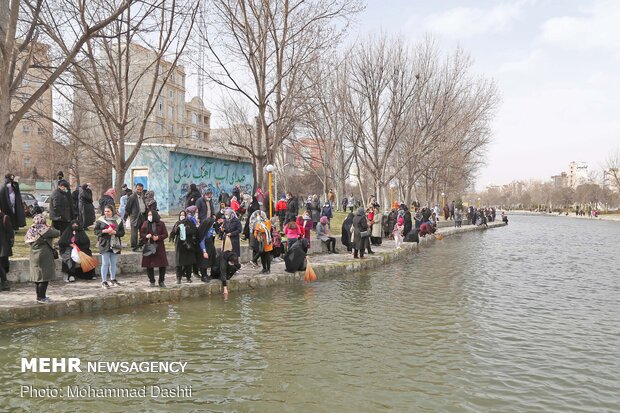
524,318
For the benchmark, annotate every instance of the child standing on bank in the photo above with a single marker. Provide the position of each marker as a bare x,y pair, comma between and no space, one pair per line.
398,232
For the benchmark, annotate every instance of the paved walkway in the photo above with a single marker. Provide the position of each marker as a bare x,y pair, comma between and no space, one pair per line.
19,304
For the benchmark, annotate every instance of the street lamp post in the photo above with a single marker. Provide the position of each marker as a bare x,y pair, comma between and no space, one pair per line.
478,203
270,168
443,200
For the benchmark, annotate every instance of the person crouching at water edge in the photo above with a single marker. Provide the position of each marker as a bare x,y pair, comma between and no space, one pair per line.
295,256
152,234
224,267
183,235
109,229
42,255
262,233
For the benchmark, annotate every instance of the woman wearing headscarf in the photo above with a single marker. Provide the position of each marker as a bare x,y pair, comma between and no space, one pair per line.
42,269
225,265
109,229
377,228
154,232
360,233
345,236
295,257
74,235
234,204
11,202
322,233
150,202
192,196
107,199
254,219
86,207
262,234
183,234
254,206
231,230
315,210
205,248
7,240
306,223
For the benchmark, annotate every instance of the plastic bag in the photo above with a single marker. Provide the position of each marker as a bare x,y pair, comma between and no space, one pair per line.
75,255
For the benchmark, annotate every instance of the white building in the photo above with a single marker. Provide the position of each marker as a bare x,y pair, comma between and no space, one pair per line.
577,174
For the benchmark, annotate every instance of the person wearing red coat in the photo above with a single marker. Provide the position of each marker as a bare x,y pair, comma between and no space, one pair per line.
153,231
281,211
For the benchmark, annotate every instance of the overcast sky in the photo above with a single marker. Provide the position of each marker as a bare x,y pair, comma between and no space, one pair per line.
556,63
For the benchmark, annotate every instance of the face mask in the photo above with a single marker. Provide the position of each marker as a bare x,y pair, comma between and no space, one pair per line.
75,227
182,218
226,216
150,218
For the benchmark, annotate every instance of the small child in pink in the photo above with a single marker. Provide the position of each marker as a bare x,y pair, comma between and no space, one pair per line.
398,232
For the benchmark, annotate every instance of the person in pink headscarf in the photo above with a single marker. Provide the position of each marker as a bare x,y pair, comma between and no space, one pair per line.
322,233
107,199
399,231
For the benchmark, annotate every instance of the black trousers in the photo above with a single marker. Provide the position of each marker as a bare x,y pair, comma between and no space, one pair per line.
3,278
331,244
41,289
265,258
184,271
151,273
4,262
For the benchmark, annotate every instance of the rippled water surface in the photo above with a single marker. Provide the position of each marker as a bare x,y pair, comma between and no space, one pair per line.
524,318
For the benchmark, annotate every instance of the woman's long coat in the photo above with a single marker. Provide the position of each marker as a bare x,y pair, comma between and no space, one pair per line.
159,259
87,209
184,251
360,224
42,266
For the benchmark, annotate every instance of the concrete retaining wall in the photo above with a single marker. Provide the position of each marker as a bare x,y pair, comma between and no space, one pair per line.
128,262
92,300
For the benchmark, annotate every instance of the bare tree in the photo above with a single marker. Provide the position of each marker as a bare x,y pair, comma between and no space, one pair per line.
27,27
325,129
118,79
259,51
612,172
382,87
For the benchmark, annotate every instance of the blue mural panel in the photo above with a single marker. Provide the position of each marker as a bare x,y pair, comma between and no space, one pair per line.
207,173
156,160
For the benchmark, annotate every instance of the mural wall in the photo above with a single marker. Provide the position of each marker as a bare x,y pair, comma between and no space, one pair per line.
207,173
156,160
171,173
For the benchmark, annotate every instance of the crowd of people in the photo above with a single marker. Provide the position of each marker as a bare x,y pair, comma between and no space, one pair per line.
206,236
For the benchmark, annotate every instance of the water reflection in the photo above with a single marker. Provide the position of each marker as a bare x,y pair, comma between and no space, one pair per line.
523,318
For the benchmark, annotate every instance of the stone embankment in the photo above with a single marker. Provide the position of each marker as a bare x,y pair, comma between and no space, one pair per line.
19,304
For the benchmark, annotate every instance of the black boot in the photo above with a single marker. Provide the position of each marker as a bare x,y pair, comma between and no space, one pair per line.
5,286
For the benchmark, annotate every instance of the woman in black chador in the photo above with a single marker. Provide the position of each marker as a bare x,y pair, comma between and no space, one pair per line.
11,202
74,235
183,235
295,257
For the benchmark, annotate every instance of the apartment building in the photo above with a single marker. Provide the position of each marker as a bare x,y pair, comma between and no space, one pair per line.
35,154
